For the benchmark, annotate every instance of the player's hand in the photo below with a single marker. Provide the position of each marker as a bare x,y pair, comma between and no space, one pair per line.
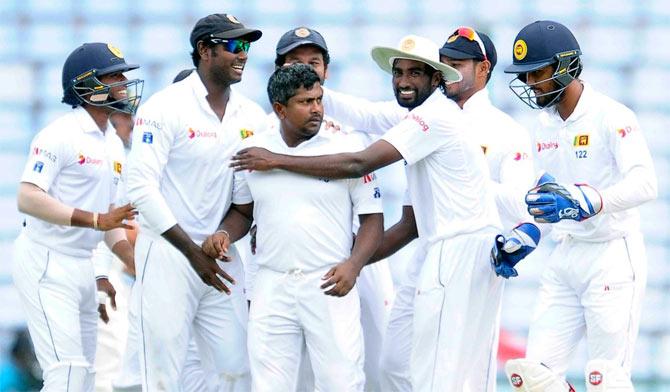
105,291
216,245
340,279
253,158
513,247
552,202
207,269
114,218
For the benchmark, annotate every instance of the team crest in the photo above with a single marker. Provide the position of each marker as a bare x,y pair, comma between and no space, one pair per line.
581,141
520,49
117,167
407,45
245,133
301,32
232,19
115,51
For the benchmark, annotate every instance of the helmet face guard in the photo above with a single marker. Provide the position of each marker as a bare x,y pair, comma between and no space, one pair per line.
568,67
90,90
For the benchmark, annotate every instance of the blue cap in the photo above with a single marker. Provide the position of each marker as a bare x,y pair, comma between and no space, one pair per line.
540,44
298,37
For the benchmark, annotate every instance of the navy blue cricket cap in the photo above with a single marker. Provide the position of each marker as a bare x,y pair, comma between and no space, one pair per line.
539,44
298,37
223,26
459,47
100,57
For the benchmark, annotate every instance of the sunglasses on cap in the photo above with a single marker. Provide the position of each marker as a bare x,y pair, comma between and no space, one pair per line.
471,35
232,45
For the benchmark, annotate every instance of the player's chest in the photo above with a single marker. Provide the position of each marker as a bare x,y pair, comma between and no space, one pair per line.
581,146
208,141
276,185
94,158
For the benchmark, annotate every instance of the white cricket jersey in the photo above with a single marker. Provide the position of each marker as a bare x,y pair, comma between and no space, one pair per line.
178,168
506,146
304,222
447,174
598,145
78,165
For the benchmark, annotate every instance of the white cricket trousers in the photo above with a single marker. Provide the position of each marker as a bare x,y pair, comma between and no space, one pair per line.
288,308
58,294
591,289
174,304
456,316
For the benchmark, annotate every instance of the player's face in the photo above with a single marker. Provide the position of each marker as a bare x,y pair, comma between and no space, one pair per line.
463,90
118,92
227,67
542,85
304,112
310,55
412,84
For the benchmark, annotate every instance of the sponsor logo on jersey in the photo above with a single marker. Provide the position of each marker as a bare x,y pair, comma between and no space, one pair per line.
420,121
117,167
484,148
378,193
147,137
46,154
625,131
245,133
149,123
85,160
541,146
516,380
595,378
39,165
519,156
581,141
369,178
193,133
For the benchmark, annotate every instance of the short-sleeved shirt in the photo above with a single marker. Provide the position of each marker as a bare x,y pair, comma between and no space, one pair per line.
80,166
447,173
178,168
597,144
304,222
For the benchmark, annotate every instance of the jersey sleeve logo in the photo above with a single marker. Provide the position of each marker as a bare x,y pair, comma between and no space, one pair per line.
520,156
145,122
581,141
147,137
378,193
39,165
625,131
369,178
422,123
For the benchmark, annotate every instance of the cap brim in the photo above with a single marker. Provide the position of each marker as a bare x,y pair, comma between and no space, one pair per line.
122,67
523,68
457,54
384,57
294,45
250,34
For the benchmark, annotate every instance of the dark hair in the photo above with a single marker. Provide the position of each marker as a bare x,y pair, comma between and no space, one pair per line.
285,82
281,59
195,56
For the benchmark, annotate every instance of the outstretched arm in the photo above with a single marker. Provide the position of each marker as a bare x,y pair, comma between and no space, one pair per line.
397,236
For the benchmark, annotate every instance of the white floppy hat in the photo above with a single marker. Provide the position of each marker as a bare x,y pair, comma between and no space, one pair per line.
413,47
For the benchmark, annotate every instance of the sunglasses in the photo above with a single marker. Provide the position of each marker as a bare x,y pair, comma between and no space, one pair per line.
471,35
232,45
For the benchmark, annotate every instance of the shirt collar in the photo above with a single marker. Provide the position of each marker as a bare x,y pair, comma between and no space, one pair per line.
85,121
477,100
583,105
200,91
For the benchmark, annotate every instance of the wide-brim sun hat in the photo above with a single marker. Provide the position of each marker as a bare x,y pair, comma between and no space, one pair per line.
413,47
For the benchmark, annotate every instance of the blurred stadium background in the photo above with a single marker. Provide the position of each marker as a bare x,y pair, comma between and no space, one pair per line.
626,56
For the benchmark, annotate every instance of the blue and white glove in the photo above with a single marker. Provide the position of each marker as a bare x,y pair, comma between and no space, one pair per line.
512,247
550,202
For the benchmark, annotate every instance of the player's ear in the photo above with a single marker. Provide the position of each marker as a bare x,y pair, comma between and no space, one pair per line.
202,49
437,79
279,109
483,68
325,73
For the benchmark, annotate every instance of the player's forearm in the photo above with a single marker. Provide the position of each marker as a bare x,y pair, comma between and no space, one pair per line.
33,201
180,240
638,186
343,165
395,238
124,251
236,223
368,239
146,197
362,114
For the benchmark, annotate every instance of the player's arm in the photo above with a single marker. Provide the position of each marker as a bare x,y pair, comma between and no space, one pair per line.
235,225
362,114
397,236
343,165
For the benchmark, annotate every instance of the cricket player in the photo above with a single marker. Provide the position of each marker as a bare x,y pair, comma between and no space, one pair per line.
298,261
67,192
458,294
595,278
178,177
375,283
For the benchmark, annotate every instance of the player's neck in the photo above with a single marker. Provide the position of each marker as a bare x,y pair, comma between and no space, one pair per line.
100,116
570,99
293,139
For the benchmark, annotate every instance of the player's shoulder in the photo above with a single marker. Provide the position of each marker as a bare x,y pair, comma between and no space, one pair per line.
62,128
608,112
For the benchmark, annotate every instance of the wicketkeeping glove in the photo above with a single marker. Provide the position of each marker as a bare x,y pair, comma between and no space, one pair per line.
512,247
551,202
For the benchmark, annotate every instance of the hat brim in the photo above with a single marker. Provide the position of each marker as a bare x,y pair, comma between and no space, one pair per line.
458,55
384,57
250,34
122,67
294,45
523,68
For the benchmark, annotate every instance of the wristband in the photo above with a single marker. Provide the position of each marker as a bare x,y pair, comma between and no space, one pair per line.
95,221
224,232
102,297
